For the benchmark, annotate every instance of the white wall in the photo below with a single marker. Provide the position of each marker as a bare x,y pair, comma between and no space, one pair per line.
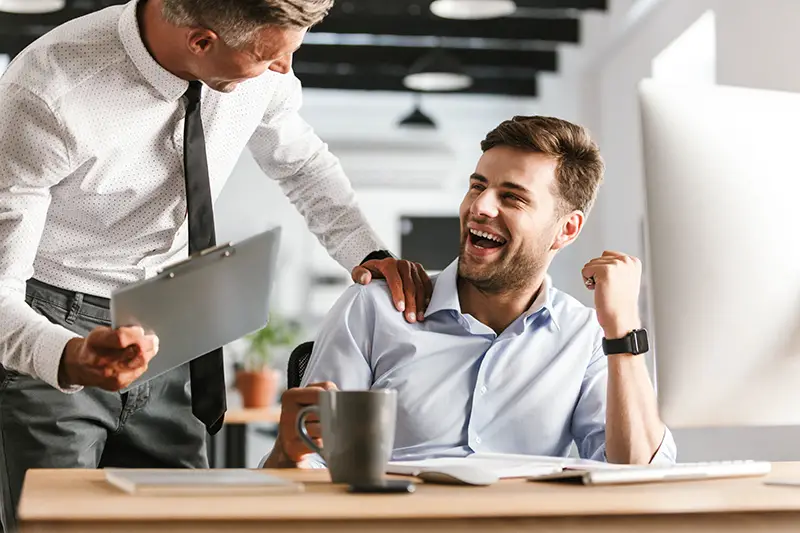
756,43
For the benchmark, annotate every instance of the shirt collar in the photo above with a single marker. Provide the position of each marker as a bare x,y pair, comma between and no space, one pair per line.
543,302
445,291
445,296
169,86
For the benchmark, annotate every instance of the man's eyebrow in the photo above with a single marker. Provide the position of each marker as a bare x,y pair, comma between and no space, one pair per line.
506,184
515,186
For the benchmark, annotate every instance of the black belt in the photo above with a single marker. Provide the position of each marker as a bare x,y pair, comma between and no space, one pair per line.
90,299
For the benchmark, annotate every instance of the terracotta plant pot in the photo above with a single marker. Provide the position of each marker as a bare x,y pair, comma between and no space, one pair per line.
258,389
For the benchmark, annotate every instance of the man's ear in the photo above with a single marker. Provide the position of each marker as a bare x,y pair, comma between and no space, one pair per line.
570,226
201,40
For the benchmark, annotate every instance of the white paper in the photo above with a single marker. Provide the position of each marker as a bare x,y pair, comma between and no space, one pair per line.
502,465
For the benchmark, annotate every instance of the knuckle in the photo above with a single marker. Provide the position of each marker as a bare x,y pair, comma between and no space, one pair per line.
287,395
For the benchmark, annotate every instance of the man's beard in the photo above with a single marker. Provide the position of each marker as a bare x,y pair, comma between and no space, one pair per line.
507,273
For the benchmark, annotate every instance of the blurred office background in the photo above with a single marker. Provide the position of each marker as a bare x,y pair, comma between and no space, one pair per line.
409,152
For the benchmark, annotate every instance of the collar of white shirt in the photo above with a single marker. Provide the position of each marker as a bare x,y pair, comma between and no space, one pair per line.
168,85
445,295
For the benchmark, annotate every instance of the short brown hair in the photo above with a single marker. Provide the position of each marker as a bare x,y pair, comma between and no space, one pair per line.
580,168
236,21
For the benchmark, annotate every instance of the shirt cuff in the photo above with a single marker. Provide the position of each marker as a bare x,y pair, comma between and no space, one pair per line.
356,247
47,356
313,461
667,453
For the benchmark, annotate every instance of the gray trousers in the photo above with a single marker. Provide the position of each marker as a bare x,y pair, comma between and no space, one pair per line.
151,426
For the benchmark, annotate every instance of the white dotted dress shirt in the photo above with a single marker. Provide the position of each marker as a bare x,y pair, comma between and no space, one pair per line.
92,192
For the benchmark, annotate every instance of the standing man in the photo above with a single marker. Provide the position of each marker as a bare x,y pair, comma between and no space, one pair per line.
117,131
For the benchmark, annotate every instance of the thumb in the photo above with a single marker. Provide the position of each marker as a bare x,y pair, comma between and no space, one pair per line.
361,275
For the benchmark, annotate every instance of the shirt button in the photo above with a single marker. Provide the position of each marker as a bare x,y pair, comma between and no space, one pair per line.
478,440
483,389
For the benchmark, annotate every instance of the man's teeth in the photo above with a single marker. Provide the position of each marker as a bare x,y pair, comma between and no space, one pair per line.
489,236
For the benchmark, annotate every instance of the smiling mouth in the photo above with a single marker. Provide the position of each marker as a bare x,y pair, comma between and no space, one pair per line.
485,240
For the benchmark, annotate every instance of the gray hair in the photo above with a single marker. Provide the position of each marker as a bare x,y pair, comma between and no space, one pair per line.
236,21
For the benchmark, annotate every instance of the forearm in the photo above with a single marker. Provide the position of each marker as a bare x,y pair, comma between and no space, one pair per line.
634,430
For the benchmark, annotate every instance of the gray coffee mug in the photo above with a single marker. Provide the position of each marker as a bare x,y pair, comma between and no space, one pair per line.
357,433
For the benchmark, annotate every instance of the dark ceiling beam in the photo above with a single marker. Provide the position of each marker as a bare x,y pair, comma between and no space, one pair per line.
74,9
557,30
422,7
564,4
366,82
377,56
378,17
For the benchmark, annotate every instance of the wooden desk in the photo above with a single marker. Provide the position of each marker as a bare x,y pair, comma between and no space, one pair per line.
81,501
235,434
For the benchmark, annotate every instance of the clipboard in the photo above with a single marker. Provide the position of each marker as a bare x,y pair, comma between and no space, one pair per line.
201,303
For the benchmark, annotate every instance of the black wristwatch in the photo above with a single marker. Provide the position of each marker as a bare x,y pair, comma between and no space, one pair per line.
378,254
634,343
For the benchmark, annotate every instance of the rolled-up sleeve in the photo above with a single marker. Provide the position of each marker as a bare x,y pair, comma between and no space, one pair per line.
287,149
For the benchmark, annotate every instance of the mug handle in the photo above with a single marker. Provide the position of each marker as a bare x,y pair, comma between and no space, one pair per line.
300,425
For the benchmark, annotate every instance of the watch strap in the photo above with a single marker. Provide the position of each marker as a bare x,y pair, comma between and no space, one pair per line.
634,343
378,254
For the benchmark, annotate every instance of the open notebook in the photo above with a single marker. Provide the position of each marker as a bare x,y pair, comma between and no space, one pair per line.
501,464
175,482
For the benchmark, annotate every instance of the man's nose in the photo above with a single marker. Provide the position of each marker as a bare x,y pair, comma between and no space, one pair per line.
485,205
282,66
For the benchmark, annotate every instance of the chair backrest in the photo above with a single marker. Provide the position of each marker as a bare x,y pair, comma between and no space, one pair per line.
298,361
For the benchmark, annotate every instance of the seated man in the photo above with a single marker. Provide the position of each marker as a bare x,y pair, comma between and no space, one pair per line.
503,361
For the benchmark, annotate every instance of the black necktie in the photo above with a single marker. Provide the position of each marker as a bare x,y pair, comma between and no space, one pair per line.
207,372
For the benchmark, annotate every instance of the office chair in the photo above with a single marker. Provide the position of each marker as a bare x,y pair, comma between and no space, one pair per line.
298,361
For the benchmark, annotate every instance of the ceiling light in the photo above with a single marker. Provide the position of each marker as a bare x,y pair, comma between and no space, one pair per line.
437,71
417,119
473,9
31,6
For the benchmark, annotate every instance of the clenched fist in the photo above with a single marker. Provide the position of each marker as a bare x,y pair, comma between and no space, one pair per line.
615,279
110,359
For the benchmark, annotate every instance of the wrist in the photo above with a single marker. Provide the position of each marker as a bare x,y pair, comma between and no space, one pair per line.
278,458
618,330
65,376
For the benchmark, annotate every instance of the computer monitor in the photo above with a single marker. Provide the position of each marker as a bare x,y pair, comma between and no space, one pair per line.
722,168
432,241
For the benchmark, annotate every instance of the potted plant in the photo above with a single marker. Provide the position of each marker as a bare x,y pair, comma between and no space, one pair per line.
256,380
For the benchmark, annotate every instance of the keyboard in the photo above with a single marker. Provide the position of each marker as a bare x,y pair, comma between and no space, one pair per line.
651,474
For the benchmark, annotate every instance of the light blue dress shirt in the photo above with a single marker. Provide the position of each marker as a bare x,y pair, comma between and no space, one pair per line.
533,389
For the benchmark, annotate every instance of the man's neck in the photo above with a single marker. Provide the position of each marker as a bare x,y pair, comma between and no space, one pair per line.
498,310
157,38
